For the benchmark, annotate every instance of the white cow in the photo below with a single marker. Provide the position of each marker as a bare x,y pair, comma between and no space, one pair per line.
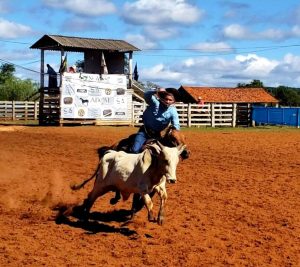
136,173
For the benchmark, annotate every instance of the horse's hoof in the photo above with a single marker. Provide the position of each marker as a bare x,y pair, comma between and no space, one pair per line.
84,218
78,211
60,219
132,214
114,201
81,214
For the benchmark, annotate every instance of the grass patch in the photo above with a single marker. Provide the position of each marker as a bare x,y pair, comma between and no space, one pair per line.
20,122
241,129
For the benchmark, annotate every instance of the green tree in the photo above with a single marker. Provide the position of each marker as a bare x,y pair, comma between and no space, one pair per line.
17,89
6,72
252,84
287,96
13,88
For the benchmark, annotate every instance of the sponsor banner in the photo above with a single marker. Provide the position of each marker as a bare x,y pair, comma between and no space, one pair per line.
91,96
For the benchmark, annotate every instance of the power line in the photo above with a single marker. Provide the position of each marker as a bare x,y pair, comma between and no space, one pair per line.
222,48
201,54
193,49
19,66
31,62
13,42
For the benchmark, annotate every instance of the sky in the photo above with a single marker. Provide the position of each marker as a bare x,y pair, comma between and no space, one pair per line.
216,43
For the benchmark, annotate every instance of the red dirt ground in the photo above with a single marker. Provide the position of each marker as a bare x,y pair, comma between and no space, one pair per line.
236,202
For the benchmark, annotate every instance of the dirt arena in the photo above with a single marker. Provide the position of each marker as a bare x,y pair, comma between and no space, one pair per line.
236,202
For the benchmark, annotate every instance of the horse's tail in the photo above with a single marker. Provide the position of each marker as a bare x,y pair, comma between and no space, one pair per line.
79,186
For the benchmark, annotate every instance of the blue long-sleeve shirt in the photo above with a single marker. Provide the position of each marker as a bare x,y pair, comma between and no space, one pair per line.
157,116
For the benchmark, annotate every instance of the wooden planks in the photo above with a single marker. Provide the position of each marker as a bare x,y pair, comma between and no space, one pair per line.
190,115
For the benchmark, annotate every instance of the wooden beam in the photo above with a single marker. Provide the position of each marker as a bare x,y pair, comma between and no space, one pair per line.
130,69
234,110
42,68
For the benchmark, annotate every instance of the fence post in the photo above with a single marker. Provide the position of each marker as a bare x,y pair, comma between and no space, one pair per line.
26,111
249,113
35,110
13,111
234,114
41,111
5,110
212,110
132,113
189,117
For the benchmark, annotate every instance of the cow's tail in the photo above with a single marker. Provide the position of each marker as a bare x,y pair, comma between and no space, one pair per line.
103,150
79,186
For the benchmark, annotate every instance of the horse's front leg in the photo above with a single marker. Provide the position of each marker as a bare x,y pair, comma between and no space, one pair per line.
162,192
116,198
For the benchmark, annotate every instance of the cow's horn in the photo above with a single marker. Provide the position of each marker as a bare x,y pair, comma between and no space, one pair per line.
160,145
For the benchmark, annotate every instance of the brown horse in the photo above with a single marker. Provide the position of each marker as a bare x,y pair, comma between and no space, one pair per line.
170,137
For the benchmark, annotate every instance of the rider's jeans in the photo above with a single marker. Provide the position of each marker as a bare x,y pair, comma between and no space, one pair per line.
139,140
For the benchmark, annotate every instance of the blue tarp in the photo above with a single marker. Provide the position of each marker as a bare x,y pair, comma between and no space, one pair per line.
277,116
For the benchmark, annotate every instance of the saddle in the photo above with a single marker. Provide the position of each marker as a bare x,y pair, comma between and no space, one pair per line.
151,133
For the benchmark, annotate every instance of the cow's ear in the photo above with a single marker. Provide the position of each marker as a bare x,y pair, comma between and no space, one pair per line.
180,148
147,157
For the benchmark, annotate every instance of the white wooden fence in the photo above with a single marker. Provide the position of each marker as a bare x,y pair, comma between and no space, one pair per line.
190,115
19,110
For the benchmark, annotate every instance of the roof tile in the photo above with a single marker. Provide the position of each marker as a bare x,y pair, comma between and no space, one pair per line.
230,95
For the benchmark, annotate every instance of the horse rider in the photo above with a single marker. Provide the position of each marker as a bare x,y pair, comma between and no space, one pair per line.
159,113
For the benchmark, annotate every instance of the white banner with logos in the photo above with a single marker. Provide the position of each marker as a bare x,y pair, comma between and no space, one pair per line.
91,96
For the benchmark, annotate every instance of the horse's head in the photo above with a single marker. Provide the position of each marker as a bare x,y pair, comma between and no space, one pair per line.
173,138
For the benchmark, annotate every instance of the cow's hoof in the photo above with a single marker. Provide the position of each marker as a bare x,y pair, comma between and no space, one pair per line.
151,218
160,220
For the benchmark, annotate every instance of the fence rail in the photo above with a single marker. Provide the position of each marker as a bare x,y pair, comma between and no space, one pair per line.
190,115
19,110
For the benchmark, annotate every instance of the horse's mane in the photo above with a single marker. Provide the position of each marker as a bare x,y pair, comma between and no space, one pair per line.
172,137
